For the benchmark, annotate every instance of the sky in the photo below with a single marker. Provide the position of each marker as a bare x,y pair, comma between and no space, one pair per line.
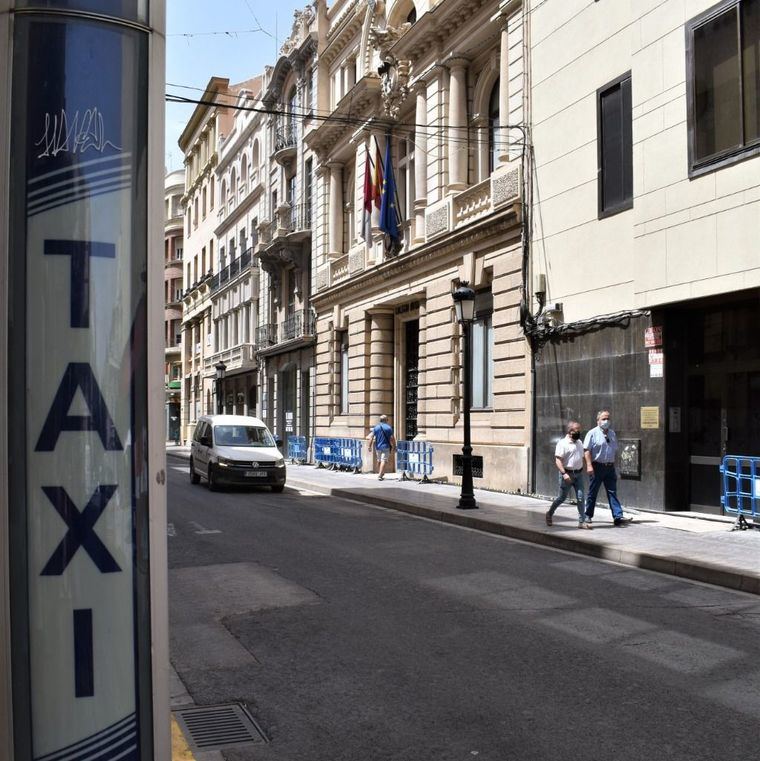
251,34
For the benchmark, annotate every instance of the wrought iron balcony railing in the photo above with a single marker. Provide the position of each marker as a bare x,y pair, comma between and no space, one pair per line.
266,335
298,325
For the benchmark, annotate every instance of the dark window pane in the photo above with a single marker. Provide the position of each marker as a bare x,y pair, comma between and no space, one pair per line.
716,85
616,138
751,55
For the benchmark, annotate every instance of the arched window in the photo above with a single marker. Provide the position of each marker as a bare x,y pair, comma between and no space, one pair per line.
212,189
224,193
494,133
412,17
244,170
233,185
255,161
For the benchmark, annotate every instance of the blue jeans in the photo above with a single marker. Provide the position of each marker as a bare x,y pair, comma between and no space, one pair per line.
577,482
603,474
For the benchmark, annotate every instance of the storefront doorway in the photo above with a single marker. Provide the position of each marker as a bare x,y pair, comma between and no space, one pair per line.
714,361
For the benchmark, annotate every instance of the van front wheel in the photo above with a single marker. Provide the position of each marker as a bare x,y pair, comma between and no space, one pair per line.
194,477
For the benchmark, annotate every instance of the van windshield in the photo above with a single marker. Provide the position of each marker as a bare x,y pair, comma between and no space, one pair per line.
242,436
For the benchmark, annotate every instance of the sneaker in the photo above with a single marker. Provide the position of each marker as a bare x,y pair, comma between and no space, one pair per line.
624,521
381,478
586,525
548,517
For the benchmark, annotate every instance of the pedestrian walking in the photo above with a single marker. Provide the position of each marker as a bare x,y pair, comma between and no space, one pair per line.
568,459
600,447
382,439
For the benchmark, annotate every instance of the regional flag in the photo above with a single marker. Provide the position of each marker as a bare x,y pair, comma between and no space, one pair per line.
368,198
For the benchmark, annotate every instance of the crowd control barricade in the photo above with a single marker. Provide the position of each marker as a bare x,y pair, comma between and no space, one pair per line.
338,454
740,477
414,458
297,451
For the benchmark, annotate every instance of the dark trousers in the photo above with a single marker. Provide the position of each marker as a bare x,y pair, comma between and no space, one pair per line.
603,474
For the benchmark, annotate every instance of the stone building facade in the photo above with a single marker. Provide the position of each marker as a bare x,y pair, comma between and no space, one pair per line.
241,179
437,80
285,336
174,187
646,208
199,143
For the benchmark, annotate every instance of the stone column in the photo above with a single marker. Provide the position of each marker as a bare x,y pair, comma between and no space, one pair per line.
335,212
381,365
420,163
502,136
457,142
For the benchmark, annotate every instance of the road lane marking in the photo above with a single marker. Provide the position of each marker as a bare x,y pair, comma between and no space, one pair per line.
202,530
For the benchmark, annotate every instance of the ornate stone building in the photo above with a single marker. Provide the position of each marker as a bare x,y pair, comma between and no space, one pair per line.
441,81
199,144
241,179
285,336
174,186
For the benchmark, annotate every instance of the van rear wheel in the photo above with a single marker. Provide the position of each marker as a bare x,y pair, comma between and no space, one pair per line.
278,488
194,477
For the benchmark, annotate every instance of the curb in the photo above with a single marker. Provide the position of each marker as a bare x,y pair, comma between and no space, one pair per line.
680,567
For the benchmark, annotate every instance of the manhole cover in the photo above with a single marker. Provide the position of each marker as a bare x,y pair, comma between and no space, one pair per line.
221,726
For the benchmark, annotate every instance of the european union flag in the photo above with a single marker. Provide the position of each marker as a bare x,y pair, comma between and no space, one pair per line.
389,218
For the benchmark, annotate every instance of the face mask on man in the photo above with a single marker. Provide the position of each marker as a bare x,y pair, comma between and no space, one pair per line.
604,424
575,435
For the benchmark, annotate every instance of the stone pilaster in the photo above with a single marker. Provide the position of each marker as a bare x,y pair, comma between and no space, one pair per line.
457,141
420,162
335,211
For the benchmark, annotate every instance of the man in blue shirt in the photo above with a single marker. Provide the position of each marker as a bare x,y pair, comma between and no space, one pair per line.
600,448
381,437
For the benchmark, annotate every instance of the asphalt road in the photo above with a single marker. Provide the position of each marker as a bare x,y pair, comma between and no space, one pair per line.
354,632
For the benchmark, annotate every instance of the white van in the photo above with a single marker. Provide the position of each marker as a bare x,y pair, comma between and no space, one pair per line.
235,449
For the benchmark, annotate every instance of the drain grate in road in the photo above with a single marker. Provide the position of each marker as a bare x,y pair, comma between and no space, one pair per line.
220,726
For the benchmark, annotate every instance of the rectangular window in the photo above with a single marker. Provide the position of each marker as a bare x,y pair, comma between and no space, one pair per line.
482,352
723,62
343,371
615,146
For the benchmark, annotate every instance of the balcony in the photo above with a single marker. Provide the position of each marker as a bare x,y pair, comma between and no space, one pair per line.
498,193
266,335
299,217
298,325
240,357
237,266
285,143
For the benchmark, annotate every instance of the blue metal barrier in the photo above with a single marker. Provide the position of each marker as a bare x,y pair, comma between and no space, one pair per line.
338,454
297,449
741,487
414,458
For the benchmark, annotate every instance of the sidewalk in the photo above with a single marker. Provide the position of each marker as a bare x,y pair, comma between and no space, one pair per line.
693,546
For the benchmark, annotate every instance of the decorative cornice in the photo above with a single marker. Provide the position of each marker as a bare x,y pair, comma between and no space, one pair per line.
343,31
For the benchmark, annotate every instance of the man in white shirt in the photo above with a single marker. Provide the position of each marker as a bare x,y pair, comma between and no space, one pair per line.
568,459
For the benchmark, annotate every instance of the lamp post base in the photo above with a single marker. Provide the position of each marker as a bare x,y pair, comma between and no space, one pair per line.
467,502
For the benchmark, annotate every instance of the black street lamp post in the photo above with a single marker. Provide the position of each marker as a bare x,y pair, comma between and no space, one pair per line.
464,303
220,368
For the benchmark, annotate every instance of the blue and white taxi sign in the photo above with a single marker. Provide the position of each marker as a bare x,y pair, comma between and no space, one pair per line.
78,391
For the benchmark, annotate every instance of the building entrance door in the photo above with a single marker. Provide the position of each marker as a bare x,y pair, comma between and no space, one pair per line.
287,405
722,404
411,377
